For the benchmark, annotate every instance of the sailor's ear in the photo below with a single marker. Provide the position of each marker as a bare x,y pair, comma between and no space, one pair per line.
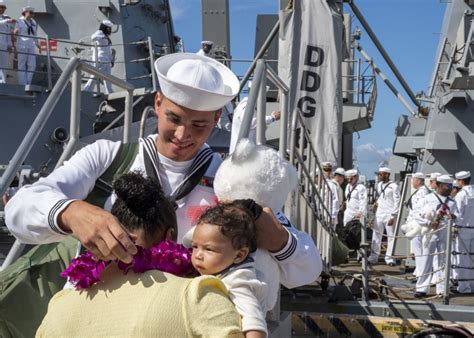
158,99
217,116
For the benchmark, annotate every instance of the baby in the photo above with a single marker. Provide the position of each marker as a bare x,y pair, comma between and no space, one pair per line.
223,239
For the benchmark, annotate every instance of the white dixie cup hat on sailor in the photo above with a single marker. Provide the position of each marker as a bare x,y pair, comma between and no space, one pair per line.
108,23
419,175
444,179
339,171
195,81
434,175
462,175
384,170
3,4
27,9
351,173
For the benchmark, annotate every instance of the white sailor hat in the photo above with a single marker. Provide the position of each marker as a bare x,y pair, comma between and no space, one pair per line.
419,175
107,23
195,81
434,175
326,164
384,170
27,9
444,179
339,171
3,4
462,175
207,42
352,173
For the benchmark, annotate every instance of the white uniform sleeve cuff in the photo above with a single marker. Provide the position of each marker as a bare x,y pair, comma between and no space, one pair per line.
54,213
288,250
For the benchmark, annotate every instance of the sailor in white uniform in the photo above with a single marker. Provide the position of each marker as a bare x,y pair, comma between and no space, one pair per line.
327,174
206,47
238,117
356,197
53,207
388,202
104,57
6,29
437,208
464,241
414,205
26,45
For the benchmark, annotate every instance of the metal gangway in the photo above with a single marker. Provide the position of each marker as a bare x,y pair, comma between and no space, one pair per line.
72,73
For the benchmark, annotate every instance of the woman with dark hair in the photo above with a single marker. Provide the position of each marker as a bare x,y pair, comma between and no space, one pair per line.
102,54
136,300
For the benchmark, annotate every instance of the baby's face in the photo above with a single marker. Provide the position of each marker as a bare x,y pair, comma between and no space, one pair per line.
212,251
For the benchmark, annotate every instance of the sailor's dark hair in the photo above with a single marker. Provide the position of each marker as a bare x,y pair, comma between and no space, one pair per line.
141,204
235,221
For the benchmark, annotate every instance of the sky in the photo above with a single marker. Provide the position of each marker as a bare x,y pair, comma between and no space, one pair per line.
409,30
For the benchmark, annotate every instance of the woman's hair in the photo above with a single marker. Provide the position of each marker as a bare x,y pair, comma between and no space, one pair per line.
235,221
141,204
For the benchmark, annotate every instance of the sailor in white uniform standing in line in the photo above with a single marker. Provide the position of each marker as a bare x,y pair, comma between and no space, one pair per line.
388,202
6,29
26,45
194,89
437,208
414,205
104,57
327,174
206,47
356,197
464,241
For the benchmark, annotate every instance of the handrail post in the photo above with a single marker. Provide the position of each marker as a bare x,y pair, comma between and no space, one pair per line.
283,124
252,98
37,126
152,64
96,65
48,60
75,119
358,82
261,111
127,124
447,261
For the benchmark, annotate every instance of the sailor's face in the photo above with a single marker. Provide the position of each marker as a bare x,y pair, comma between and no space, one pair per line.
2,9
182,131
352,179
444,189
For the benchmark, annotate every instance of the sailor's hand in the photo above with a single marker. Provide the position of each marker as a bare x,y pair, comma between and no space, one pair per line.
98,230
11,21
434,224
271,235
391,221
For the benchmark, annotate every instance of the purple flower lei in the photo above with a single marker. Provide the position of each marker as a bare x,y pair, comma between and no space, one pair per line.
167,256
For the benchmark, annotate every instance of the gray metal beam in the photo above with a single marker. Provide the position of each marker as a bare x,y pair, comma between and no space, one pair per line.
384,53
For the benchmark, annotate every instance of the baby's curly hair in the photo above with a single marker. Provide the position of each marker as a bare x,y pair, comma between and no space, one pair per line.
141,204
236,222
